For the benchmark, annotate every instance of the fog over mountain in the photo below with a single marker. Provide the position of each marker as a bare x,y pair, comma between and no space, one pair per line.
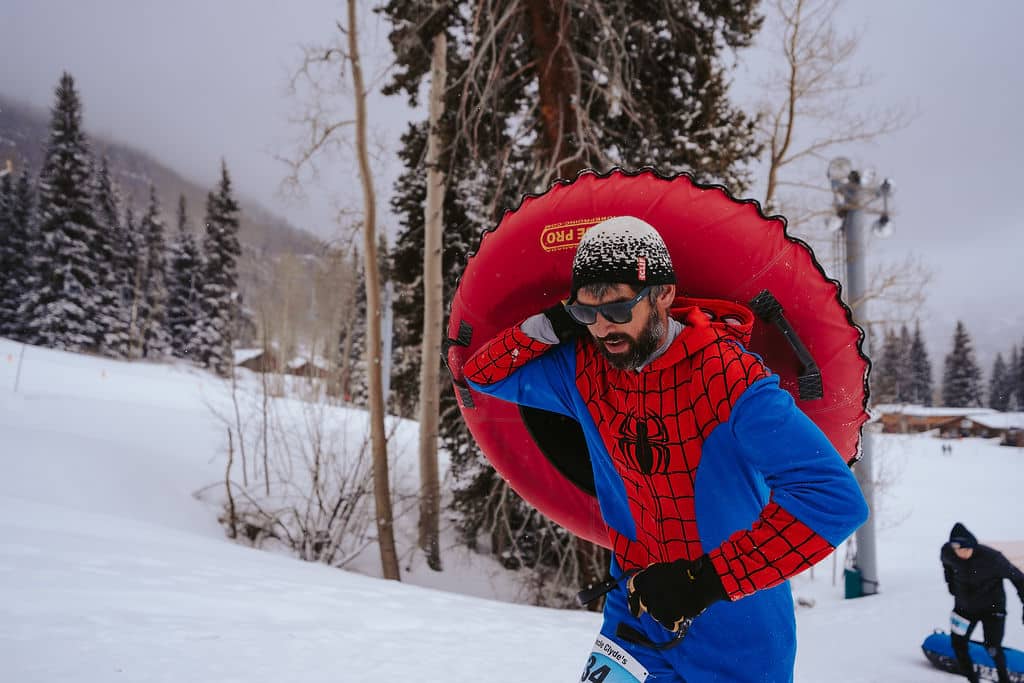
191,82
24,131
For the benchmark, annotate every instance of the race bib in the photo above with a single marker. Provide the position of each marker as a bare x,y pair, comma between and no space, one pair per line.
957,624
610,663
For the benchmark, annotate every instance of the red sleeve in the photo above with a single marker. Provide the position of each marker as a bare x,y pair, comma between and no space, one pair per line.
776,548
503,355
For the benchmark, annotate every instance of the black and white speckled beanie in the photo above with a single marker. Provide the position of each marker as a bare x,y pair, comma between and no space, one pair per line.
622,249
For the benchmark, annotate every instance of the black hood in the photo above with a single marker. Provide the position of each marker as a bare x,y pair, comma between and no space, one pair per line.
961,535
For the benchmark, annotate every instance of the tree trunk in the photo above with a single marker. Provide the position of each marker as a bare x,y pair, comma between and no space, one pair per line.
558,84
433,294
378,439
558,91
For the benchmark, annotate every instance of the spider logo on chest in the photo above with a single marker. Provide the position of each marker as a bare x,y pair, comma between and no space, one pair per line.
644,443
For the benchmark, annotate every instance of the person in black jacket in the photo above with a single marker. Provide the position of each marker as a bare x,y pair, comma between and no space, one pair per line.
974,575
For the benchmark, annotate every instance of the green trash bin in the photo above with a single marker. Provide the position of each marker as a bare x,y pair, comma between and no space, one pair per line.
854,583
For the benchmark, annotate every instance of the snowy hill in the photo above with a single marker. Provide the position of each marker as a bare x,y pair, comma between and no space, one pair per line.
111,568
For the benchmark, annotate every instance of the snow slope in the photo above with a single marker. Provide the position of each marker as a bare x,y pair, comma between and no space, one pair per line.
112,569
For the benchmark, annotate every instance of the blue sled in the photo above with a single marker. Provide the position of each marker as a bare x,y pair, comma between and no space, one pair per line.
939,650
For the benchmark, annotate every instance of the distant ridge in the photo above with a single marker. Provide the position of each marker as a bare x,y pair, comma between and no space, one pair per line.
24,131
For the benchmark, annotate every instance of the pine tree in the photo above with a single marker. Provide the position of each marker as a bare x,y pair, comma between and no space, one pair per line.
108,249
11,291
1013,404
218,296
152,302
884,373
24,244
352,336
63,310
920,370
631,122
1016,372
904,368
1000,385
183,286
961,379
133,267
653,92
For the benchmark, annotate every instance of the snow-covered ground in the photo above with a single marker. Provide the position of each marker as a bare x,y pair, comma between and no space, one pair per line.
111,568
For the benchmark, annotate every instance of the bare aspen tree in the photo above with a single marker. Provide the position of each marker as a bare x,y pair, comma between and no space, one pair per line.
814,106
433,312
321,77
378,437
815,113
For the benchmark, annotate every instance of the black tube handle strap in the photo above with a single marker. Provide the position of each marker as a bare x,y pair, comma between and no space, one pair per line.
632,635
591,593
768,309
463,338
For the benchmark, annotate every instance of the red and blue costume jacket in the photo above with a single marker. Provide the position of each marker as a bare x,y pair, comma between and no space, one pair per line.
700,451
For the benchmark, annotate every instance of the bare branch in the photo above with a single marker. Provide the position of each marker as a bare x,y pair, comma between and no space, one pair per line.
816,111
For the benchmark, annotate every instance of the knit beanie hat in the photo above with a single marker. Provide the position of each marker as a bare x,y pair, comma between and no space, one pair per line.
622,250
962,536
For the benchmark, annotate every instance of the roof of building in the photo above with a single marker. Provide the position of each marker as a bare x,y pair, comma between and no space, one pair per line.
299,362
929,411
1000,420
243,355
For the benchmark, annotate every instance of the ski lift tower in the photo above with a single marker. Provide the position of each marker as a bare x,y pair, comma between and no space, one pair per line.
855,195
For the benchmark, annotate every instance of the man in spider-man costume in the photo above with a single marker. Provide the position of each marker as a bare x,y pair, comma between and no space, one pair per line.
715,487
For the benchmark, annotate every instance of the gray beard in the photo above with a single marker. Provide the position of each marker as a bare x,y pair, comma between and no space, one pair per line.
640,349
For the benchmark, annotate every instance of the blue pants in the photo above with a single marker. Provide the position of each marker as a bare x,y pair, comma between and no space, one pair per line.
751,640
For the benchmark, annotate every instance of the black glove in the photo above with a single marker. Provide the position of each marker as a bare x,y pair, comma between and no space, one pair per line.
672,592
564,326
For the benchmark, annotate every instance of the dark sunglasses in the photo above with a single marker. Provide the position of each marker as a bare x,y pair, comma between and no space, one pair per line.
618,312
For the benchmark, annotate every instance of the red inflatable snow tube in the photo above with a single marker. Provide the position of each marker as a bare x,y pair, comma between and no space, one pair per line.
722,248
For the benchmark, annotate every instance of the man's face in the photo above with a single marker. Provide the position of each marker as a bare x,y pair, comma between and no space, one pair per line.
629,344
963,553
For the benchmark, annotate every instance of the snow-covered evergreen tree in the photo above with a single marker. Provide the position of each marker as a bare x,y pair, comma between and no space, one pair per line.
920,370
1000,384
22,244
132,273
352,337
11,290
218,296
152,304
904,368
1016,382
183,286
961,378
108,249
63,309
884,371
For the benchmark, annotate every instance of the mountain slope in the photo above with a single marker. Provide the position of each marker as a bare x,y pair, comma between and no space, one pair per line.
24,131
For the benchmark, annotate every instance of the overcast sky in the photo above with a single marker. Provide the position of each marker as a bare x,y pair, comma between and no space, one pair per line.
192,81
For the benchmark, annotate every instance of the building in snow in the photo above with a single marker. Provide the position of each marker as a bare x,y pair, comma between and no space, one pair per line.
257,360
909,419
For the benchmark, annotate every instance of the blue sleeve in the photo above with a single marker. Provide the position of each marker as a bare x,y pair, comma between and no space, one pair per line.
805,473
546,382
